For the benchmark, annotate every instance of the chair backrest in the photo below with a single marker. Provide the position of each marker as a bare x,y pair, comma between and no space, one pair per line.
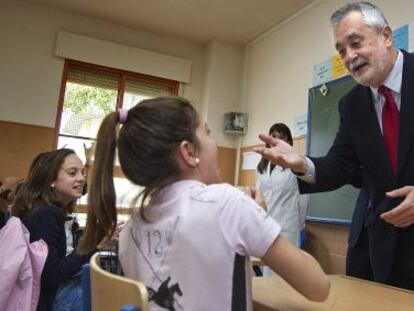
110,291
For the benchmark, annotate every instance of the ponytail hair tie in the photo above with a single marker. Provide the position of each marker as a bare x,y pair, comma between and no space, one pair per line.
122,115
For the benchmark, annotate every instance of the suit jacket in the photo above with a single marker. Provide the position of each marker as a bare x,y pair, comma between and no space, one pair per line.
359,151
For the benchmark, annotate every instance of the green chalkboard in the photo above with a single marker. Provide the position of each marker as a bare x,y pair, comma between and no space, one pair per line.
323,121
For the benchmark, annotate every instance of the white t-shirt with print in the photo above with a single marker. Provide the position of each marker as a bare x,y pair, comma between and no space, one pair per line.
193,253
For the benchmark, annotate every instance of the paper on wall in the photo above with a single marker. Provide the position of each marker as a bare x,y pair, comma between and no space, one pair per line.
250,160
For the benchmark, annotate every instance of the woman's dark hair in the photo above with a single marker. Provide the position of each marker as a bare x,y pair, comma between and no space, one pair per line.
37,186
284,133
147,143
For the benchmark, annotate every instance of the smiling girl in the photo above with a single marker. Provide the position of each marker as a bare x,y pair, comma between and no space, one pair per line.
53,185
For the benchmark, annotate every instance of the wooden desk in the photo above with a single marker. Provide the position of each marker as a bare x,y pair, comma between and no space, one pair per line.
347,294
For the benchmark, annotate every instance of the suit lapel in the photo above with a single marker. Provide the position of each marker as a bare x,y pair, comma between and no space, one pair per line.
406,111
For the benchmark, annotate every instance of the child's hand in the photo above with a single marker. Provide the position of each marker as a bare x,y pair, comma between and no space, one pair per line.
119,226
88,154
9,183
106,241
8,187
251,192
255,195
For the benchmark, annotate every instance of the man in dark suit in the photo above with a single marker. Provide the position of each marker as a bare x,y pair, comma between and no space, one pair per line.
374,147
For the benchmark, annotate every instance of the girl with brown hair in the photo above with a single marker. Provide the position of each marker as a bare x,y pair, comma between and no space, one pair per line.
191,240
54,183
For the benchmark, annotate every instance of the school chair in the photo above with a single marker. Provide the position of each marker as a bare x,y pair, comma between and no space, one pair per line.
257,263
129,308
86,287
303,238
110,292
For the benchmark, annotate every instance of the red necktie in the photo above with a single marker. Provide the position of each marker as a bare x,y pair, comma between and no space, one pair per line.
390,126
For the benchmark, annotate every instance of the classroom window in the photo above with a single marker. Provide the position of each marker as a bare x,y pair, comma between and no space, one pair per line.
89,92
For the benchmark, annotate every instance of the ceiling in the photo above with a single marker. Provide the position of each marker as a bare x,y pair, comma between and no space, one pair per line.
235,21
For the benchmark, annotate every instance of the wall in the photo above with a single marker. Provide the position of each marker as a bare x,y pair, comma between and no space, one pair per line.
222,87
221,94
226,160
30,73
19,144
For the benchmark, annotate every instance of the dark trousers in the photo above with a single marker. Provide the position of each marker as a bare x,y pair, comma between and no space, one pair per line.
358,261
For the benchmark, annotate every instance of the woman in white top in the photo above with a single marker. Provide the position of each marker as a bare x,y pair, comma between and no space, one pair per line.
279,191
191,240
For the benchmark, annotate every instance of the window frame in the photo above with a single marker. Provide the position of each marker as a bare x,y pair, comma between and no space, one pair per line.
123,76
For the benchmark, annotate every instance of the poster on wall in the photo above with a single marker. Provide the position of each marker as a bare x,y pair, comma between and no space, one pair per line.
300,125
